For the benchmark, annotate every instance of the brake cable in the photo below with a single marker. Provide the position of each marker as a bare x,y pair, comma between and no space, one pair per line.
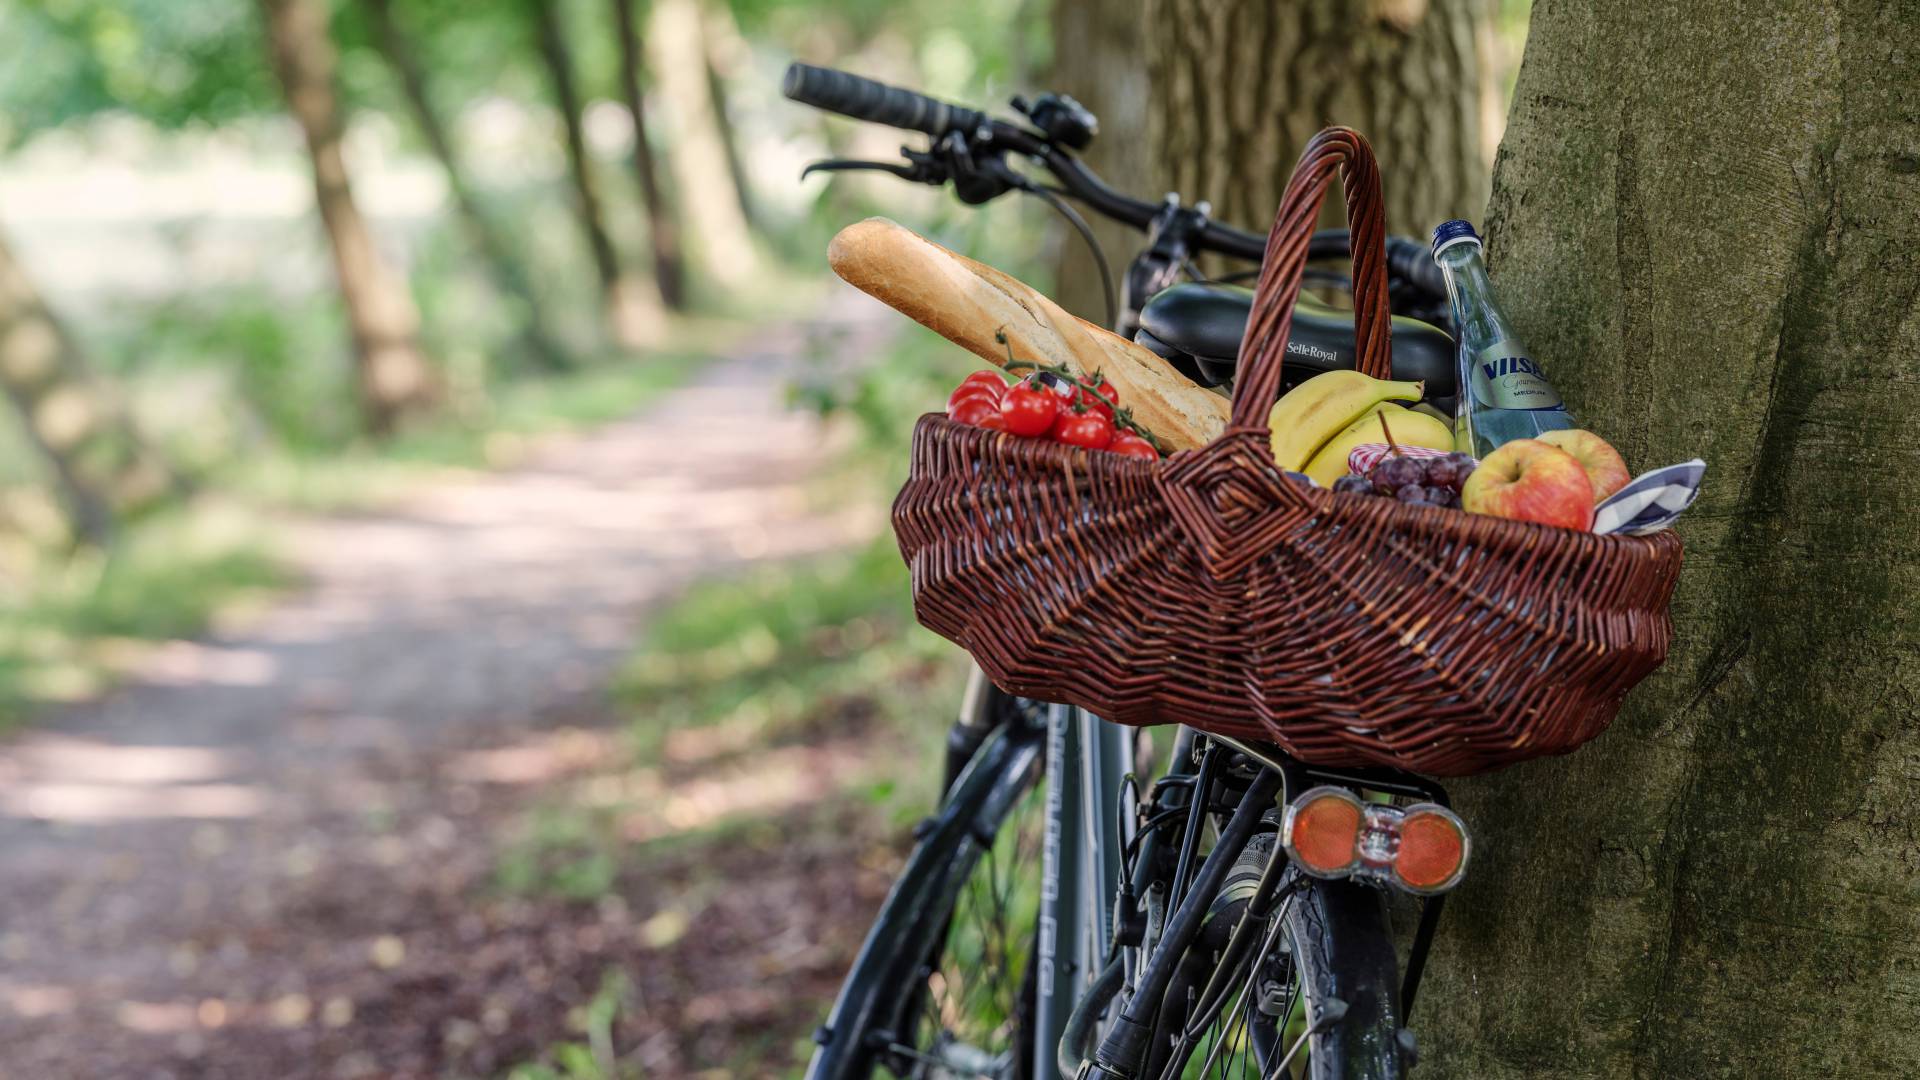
1080,225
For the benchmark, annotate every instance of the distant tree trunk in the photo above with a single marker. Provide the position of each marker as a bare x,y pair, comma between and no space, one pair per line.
1099,62
709,200
101,466
663,229
1239,87
634,317
394,378
1703,223
726,55
485,239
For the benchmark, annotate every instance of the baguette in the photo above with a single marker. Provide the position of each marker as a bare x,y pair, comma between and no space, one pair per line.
968,303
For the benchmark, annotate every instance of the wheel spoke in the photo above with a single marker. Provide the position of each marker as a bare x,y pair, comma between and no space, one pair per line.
972,993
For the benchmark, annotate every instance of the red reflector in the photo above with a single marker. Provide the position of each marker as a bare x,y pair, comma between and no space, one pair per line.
1433,850
1325,830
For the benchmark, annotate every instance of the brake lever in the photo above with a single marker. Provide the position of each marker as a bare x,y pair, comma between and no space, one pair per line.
904,172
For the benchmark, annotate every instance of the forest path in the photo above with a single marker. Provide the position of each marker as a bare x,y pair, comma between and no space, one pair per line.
159,844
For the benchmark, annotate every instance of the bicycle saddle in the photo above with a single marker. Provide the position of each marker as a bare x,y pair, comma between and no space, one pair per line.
1197,327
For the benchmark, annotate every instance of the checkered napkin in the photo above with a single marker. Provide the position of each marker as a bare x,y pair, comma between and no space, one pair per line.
1651,501
1367,455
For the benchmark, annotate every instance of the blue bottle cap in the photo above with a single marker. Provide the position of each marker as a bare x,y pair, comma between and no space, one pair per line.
1449,233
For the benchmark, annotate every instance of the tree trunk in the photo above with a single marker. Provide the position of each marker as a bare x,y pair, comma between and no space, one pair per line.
708,199
663,229
634,317
1098,61
486,240
1238,88
394,379
727,55
1719,257
102,468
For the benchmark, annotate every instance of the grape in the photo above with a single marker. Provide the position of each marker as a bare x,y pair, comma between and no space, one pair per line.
1353,484
1413,493
1397,472
1463,467
1442,472
1448,497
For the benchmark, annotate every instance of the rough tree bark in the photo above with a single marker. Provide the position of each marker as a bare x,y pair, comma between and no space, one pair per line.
663,229
487,242
1237,88
634,318
394,378
101,466
709,202
1702,220
1097,59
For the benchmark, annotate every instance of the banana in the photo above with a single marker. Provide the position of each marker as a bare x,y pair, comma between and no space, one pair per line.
1434,411
1408,428
1320,408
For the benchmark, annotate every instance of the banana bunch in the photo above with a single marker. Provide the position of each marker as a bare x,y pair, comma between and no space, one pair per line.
1318,423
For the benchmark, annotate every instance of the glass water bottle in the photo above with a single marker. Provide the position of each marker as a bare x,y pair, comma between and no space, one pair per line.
1503,393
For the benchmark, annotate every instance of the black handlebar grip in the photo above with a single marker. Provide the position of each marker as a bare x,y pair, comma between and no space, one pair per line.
865,99
1410,261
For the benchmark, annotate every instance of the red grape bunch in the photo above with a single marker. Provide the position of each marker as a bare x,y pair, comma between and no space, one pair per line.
1433,481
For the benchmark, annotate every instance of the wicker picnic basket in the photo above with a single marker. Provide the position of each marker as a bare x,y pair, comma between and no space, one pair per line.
1208,590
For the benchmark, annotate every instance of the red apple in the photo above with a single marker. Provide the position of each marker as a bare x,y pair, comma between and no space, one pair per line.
1605,467
1527,480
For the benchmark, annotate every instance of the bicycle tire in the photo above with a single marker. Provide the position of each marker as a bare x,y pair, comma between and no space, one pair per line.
1339,948
1342,928
879,993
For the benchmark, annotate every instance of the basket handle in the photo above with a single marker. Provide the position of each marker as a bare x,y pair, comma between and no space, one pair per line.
1263,349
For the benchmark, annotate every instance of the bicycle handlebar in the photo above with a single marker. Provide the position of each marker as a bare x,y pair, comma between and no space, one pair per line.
862,98
865,99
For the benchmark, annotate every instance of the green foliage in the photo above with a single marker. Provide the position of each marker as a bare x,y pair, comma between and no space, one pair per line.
169,62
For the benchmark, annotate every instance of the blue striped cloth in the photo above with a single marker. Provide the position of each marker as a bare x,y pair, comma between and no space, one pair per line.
1651,501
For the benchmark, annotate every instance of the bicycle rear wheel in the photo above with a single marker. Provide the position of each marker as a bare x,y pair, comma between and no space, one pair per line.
1316,999
943,985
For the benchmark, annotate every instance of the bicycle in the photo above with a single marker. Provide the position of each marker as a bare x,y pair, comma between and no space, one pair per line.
1058,917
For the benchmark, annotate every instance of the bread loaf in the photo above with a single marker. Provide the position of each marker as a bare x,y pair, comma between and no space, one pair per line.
969,303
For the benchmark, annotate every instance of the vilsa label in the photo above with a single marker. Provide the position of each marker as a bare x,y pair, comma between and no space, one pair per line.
1508,380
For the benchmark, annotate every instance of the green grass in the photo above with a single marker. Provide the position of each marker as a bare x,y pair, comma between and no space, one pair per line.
788,654
593,1059
76,617
492,435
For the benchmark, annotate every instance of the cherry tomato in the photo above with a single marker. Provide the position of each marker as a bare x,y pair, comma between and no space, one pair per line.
1029,410
992,421
992,380
1089,430
970,410
1103,399
1126,442
965,391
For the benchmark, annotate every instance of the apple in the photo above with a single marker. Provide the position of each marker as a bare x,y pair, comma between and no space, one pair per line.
1528,480
1604,465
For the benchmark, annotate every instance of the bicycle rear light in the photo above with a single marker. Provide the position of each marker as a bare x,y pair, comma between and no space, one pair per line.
1432,856
1330,833
1322,828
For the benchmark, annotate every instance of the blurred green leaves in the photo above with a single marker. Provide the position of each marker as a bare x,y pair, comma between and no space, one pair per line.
171,63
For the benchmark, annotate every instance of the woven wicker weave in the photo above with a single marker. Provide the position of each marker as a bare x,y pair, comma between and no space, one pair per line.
1208,590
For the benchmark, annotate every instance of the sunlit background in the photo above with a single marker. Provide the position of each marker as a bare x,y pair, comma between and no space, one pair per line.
457,633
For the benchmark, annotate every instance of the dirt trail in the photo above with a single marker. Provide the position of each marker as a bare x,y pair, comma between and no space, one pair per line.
157,846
